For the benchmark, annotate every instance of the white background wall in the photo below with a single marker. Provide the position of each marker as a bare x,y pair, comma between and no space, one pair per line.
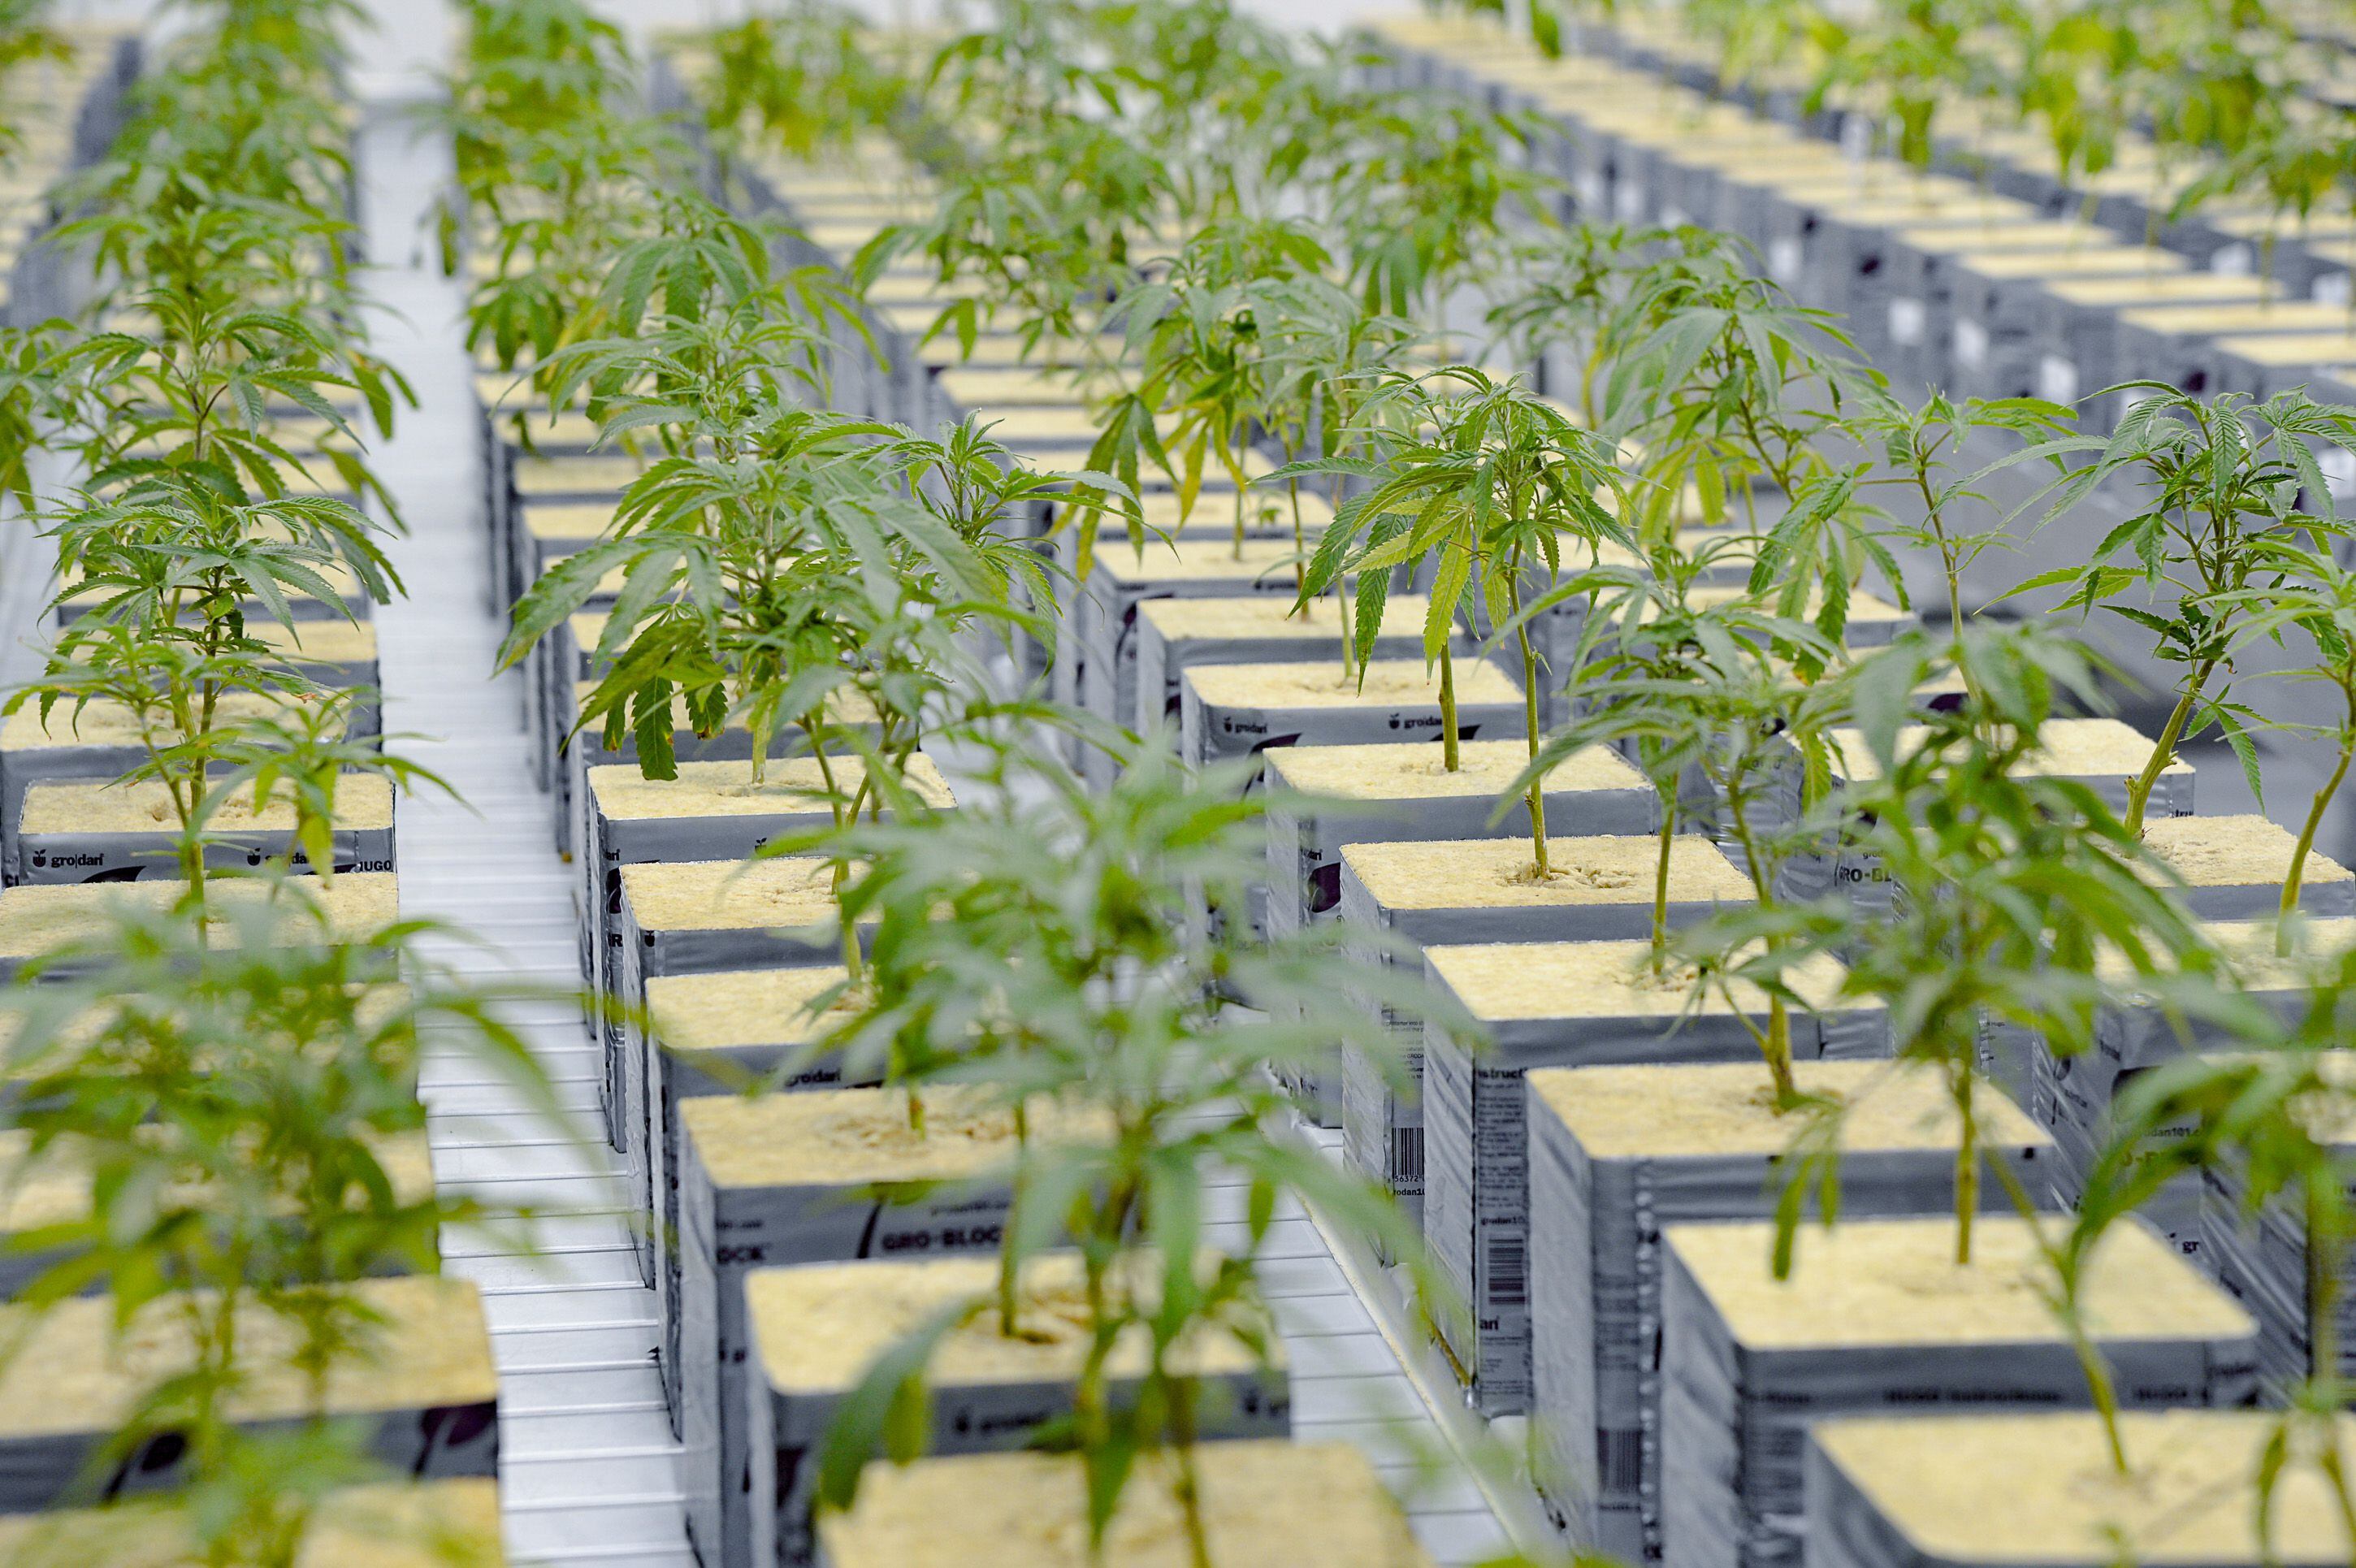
412,36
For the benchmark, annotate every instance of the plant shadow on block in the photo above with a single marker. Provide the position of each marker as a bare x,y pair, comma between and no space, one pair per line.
815,1330
1266,1505
715,1033
1878,1315
1616,1153
1576,1004
1975,1491
828,1177
1326,797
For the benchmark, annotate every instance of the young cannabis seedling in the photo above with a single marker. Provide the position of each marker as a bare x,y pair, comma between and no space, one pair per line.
2006,883
1731,386
1197,333
1046,941
1917,448
1713,701
2276,1118
2308,590
244,1105
1491,485
2220,477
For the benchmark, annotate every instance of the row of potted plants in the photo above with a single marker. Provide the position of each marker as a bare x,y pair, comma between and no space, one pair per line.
2023,873
2229,123
1113,999
1916,439
230,1339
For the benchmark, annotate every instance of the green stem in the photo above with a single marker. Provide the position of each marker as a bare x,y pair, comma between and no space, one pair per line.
2307,834
1530,722
1189,1481
1299,555
1450,753
1778,1046
1237,475
2164,753
1008,1307
2322,1300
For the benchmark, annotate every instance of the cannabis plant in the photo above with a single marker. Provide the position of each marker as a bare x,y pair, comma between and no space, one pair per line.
1716,701
1204,356
1904,61
2273,1119
2220,477
1750,35
243,1101
1220,84
1732,388
780,568
2006,883
1491,486
2075,65
1570,295
159,584
554,161
2309,591
1944,512
1045,941
803,79
1426,185
1048,224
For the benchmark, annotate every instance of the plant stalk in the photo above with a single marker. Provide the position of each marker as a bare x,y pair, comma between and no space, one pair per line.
2307,841
1451,756
1530,724
2164,751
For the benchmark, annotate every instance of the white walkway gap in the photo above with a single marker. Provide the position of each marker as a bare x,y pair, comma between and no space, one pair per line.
588,1470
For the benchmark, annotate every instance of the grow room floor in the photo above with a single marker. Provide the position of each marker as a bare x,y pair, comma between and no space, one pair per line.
588,1466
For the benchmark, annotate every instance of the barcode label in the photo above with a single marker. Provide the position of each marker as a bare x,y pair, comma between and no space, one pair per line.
1509,1272
1620,1455
1407,1153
